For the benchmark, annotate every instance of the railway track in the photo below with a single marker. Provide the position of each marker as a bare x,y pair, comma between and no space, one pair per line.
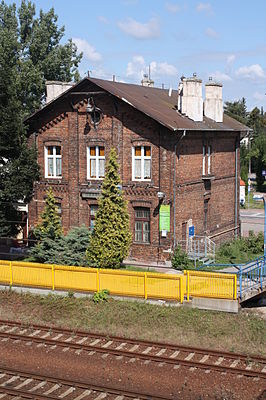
121,348
19,385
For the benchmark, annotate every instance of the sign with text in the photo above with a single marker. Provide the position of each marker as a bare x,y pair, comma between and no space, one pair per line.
164,216
191,231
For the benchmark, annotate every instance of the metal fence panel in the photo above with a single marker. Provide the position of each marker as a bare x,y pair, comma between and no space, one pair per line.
75,278
127,283
163,286
32,274
208,284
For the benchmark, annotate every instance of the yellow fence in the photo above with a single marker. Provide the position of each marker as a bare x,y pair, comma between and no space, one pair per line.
210,284
123,283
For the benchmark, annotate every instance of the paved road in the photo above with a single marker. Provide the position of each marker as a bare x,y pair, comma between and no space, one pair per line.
251,220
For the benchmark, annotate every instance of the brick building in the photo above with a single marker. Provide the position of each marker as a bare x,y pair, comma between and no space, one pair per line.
178,167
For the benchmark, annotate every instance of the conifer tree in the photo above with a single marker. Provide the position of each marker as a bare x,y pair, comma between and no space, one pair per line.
111,237
51,223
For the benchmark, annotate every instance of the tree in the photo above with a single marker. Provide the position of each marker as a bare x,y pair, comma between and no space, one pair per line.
258,152
63,250
111,237
30,53
51,223
237,110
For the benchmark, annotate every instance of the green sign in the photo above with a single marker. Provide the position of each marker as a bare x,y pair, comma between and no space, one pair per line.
164,218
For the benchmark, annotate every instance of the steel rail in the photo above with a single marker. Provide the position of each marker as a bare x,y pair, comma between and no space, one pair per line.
170,346
137,355
78,384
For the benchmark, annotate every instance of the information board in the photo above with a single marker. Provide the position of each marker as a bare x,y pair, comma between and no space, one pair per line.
164,215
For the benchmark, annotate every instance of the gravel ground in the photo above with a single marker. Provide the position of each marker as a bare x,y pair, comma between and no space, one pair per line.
166,381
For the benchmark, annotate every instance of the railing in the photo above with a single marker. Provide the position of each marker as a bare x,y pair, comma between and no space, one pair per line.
212,285
252,276
198,247
124,283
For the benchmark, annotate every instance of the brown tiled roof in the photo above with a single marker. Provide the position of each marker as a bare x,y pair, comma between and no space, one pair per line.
154,102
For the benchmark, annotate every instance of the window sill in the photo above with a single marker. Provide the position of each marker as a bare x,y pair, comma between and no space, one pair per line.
142,243
53,177
208,177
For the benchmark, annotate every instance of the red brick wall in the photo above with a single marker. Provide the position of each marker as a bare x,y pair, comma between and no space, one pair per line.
124,127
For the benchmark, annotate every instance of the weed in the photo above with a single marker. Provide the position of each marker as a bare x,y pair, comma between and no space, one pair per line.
101,296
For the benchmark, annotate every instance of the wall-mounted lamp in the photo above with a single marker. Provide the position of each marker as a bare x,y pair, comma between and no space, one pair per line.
160,195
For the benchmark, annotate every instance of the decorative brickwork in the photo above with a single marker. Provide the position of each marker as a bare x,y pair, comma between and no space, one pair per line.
209,202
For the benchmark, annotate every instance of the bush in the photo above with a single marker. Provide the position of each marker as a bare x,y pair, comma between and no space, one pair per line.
64,250
180,260
101,296
241,250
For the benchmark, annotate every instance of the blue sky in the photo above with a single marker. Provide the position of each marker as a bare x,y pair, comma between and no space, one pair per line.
225,39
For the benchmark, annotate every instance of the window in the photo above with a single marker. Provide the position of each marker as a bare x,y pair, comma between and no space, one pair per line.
53,162
141,163
142,225
206,160
93,211
96,162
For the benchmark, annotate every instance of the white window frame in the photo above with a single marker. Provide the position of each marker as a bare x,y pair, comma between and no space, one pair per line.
206,152
209,160
142,158
54,157
97,157
204,159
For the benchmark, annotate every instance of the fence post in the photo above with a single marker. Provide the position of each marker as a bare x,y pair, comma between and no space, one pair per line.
98,280
187,285
235,287
145,286
53,277
181,288
240,282
11,273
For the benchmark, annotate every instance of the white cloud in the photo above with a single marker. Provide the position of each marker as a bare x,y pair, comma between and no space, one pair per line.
138,30
221,76
103,19
173,7
204,7
259,96
138,67
230,59
89,51
251,72
211,33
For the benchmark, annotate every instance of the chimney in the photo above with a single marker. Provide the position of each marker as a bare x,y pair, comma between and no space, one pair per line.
146,81
190,101
213,104
55,88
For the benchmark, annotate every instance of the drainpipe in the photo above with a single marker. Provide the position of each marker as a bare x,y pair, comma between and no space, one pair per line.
236,187
179,140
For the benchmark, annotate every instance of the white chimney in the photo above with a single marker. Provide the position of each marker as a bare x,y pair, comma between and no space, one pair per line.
55,88
147,81
213,104
190,101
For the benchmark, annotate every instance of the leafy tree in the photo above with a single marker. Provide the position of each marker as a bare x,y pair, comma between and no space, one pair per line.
30,53
111,237
258,152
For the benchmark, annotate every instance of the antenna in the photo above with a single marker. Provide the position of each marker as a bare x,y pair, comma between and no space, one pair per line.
149,71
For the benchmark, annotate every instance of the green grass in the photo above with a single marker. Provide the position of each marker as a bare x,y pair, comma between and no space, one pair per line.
253,204
243,332
138,269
